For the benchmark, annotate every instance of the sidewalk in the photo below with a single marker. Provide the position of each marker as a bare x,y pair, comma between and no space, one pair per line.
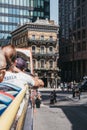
47,118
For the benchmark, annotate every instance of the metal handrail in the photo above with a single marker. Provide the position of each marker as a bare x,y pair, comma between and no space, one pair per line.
8,117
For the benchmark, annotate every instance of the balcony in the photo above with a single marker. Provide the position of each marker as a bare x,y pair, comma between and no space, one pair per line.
44,55
42,42
47,68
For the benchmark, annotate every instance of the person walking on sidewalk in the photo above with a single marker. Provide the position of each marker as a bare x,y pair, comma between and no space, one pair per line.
38,102
55,96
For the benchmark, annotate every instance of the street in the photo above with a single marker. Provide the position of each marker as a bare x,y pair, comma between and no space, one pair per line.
66,114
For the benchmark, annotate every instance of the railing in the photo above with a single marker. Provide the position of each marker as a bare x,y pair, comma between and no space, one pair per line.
8,117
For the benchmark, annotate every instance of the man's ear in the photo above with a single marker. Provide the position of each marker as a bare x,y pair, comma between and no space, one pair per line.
4,71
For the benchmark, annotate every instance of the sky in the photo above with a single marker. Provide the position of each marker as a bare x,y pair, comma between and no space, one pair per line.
54,10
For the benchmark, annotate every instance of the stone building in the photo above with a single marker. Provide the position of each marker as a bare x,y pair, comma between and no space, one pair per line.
42,37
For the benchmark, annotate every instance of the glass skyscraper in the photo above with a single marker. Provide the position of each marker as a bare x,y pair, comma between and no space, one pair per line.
18,12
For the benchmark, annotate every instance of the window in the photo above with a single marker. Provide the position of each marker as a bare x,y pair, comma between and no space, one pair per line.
42,50
74,25
33,37
78,24
83,33
51,38
42,63
83,21
33,49
83,9
74,15
38,3
42,14
35,13
31,3
50,64
79,35
78,2
78,47
6,1
70,17
84,45
50,49
74,3
42,37
39,13
78,12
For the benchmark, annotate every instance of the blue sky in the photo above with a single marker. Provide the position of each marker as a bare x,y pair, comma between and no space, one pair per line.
54,10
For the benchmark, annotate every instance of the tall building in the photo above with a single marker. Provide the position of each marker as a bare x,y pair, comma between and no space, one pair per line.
16,12
73,39
41,37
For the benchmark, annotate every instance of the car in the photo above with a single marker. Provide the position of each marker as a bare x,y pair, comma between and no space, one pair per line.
82,86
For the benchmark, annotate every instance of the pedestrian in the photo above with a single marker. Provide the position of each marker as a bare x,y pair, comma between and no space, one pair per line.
73,92
30,99
79,94
37,101
52,98
55,96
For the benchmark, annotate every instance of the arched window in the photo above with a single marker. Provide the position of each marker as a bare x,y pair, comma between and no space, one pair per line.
33,49
41,37
50,49
51,64
42,63
51,38
33,37
42,49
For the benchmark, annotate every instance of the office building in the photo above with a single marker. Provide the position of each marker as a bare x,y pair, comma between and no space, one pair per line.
16,12
73,39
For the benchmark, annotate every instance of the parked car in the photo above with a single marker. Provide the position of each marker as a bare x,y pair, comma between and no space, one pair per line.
82,85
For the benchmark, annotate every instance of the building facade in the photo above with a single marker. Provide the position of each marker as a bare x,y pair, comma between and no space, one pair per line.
41,37
16,12
73,39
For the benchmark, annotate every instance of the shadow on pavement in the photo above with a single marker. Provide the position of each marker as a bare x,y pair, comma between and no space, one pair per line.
76,114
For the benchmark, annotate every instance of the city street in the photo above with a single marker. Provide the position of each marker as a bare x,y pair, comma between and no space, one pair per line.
66,114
